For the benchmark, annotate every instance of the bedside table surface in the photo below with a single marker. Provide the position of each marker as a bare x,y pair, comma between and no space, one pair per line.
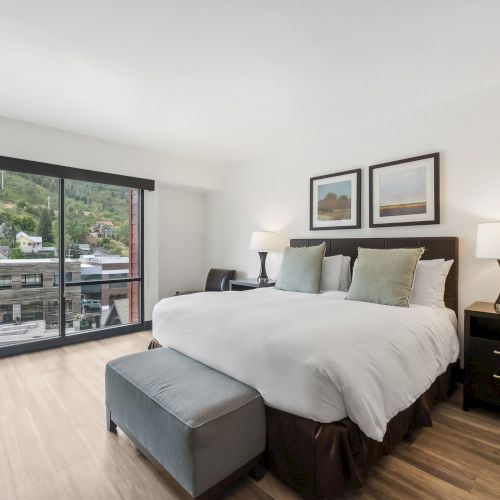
252,282
486,308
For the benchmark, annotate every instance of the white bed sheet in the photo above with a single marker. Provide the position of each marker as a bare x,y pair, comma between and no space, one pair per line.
316,356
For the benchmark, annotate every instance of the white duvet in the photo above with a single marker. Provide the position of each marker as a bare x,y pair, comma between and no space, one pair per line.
316,356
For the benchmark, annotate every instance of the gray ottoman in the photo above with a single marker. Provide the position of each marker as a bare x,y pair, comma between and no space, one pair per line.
200,425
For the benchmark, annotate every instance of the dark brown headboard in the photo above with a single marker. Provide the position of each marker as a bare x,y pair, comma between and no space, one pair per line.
435,248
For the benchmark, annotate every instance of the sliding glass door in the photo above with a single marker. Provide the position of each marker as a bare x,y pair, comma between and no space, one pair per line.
29,298
102,235
71,255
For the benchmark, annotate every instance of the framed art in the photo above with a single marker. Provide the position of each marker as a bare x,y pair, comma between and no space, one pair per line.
335,201
405,192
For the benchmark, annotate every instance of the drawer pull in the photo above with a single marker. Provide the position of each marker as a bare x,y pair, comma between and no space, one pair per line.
496,352
496,376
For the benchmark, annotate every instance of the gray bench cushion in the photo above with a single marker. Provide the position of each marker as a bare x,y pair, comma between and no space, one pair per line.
200,424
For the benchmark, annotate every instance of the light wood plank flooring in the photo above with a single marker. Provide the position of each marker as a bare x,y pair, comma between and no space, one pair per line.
54,445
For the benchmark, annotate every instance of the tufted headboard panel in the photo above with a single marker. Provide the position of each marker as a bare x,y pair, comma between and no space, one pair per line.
435,248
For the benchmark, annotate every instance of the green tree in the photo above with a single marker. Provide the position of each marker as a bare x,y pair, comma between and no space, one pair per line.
16,253
31,188
24,223
122,233
73,251
45,226
21,204
76,231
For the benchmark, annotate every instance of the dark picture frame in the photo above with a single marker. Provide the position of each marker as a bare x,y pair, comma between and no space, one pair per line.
354,221
414,205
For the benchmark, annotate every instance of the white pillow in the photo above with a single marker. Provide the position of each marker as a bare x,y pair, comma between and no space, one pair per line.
429,282
345,275
331,272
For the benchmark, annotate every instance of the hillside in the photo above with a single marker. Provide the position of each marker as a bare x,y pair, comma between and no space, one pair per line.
30,203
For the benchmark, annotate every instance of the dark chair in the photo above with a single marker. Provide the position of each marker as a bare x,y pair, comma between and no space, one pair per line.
217,281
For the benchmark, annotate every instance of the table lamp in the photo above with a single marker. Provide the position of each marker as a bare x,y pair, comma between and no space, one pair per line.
488,245
263,242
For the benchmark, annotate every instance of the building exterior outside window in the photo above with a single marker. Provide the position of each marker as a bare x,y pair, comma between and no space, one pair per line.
55,279
5,281
32,280
32,295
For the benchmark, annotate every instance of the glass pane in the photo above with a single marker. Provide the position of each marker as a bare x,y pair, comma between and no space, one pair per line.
103,306
28,257
101,230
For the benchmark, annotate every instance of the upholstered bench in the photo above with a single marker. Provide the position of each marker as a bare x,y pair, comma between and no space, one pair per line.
203,427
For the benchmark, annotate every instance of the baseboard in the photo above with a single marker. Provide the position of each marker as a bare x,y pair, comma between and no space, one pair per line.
148,325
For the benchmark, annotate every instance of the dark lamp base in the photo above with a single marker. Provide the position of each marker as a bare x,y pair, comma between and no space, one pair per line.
262,275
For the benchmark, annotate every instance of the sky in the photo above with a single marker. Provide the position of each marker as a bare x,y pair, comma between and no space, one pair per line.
338,188
406,186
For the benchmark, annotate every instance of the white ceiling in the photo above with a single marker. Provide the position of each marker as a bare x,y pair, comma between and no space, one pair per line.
221,81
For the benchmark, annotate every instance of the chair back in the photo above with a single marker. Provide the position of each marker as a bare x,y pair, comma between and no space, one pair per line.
218,280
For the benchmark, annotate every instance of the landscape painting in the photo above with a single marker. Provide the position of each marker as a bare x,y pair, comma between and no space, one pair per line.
335,200
405,192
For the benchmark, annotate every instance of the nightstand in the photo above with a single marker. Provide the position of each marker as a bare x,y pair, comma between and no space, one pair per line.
482,355
249,284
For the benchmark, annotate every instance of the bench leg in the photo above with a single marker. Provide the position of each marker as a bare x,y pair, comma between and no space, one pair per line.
110,425
258,471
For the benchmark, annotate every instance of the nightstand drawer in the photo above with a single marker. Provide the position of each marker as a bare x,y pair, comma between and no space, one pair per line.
485,328
486,352
485,383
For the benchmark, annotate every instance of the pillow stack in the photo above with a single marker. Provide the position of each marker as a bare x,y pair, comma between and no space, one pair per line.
384,276
301,269
306,269
336,273
430,282
394,277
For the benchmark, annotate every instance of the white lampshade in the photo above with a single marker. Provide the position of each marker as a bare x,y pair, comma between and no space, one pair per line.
488,240
263,241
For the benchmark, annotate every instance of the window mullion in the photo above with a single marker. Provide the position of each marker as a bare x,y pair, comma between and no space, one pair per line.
62,277
141,254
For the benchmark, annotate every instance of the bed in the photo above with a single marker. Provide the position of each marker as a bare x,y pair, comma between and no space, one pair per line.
343,381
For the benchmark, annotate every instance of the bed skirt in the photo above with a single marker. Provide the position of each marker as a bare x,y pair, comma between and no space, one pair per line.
325,460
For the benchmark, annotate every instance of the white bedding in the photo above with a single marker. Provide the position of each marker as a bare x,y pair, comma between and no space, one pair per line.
316,356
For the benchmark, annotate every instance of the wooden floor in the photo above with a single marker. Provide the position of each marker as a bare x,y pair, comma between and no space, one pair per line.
54,445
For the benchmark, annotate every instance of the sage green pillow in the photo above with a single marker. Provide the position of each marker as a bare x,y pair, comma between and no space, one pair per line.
301,269
384,276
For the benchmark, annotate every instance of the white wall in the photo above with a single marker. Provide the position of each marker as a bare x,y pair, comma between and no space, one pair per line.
163,232
182,241
273,192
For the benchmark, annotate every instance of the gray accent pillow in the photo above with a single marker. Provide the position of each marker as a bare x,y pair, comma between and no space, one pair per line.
301,269
384,276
